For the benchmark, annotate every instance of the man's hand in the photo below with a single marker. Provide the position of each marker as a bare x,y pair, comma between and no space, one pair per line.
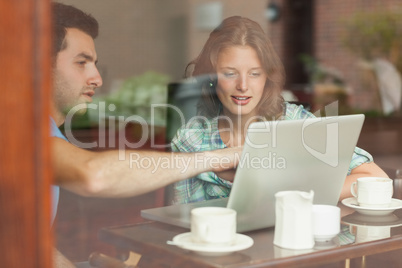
224,159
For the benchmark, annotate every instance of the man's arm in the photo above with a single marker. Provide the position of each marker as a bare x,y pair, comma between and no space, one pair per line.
132,172
364,170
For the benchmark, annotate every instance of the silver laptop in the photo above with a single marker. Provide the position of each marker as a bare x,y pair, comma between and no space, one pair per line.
307,154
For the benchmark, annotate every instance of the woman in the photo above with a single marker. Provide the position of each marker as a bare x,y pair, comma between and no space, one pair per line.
243,85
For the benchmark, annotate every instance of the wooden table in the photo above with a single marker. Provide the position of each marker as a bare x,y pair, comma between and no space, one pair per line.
149,240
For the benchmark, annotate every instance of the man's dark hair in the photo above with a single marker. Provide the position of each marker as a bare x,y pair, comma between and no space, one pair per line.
65,16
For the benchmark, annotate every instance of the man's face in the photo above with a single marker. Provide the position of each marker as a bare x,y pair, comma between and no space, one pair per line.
75,73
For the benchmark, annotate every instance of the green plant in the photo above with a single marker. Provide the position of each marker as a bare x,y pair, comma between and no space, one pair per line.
319,73
373,34
135,97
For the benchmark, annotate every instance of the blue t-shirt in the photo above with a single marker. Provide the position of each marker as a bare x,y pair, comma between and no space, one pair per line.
55,132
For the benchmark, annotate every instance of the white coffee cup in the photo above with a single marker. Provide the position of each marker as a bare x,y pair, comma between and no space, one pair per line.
373,191
213,225
326,222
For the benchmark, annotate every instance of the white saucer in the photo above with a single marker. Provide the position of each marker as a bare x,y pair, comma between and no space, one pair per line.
352,203
184,241
357,219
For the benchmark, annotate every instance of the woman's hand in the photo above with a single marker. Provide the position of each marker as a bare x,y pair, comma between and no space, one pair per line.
364,170
227,175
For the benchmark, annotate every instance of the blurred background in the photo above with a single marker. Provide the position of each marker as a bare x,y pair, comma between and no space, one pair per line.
320,42
342,51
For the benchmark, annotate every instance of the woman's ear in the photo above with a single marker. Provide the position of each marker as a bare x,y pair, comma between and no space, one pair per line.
213,81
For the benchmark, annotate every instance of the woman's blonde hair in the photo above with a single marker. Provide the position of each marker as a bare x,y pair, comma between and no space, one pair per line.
238,31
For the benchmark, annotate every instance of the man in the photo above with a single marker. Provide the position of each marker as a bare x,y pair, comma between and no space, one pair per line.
102,174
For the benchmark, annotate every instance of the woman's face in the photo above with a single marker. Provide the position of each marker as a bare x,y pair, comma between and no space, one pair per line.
241,80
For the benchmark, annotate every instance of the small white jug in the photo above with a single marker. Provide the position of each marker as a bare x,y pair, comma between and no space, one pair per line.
294,221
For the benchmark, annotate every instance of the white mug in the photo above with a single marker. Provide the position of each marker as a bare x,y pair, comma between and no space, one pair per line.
213,226
373,191
326,222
